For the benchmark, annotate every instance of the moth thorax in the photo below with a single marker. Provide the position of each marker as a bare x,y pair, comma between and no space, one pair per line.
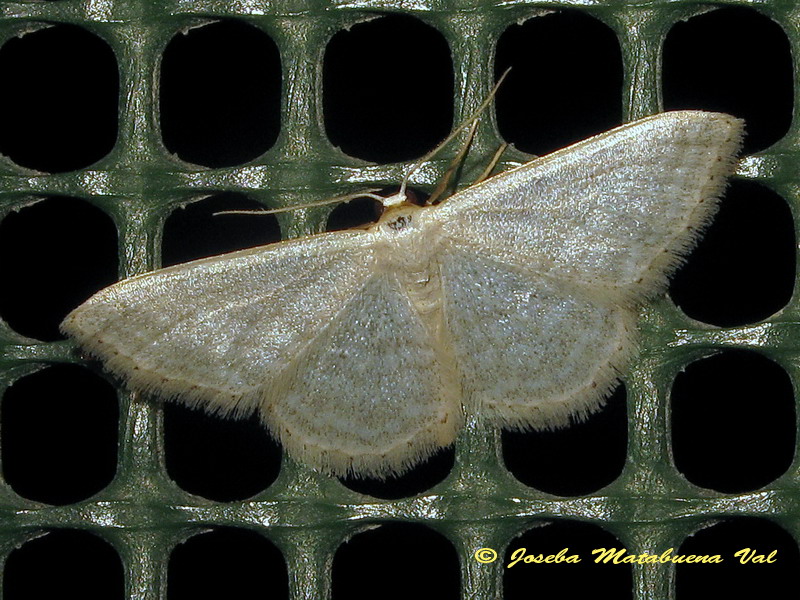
424,288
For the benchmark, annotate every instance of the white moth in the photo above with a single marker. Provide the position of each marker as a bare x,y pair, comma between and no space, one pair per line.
362,351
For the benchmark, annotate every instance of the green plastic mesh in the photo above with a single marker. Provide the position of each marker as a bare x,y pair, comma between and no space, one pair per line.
143,514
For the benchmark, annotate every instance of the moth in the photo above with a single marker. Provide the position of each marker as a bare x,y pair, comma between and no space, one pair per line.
362,351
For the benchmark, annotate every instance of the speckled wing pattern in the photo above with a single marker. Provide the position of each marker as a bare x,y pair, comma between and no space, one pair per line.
216,331
615,211
514,300
371,390
545,265
532,354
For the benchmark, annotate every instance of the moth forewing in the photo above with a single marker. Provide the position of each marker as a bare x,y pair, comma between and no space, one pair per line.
616,210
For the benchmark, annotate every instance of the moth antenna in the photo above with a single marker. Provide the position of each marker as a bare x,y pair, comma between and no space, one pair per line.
471,121
492,163
464,124
455,164
370,193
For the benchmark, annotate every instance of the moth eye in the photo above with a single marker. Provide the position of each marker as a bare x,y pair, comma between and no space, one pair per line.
363,211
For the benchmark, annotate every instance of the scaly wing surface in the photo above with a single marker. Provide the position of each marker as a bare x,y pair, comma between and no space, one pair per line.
531,351
372,395
616,212
215,332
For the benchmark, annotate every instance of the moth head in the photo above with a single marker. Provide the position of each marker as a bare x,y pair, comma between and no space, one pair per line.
397,199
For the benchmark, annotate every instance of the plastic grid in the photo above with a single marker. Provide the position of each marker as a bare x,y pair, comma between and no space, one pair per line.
143,514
